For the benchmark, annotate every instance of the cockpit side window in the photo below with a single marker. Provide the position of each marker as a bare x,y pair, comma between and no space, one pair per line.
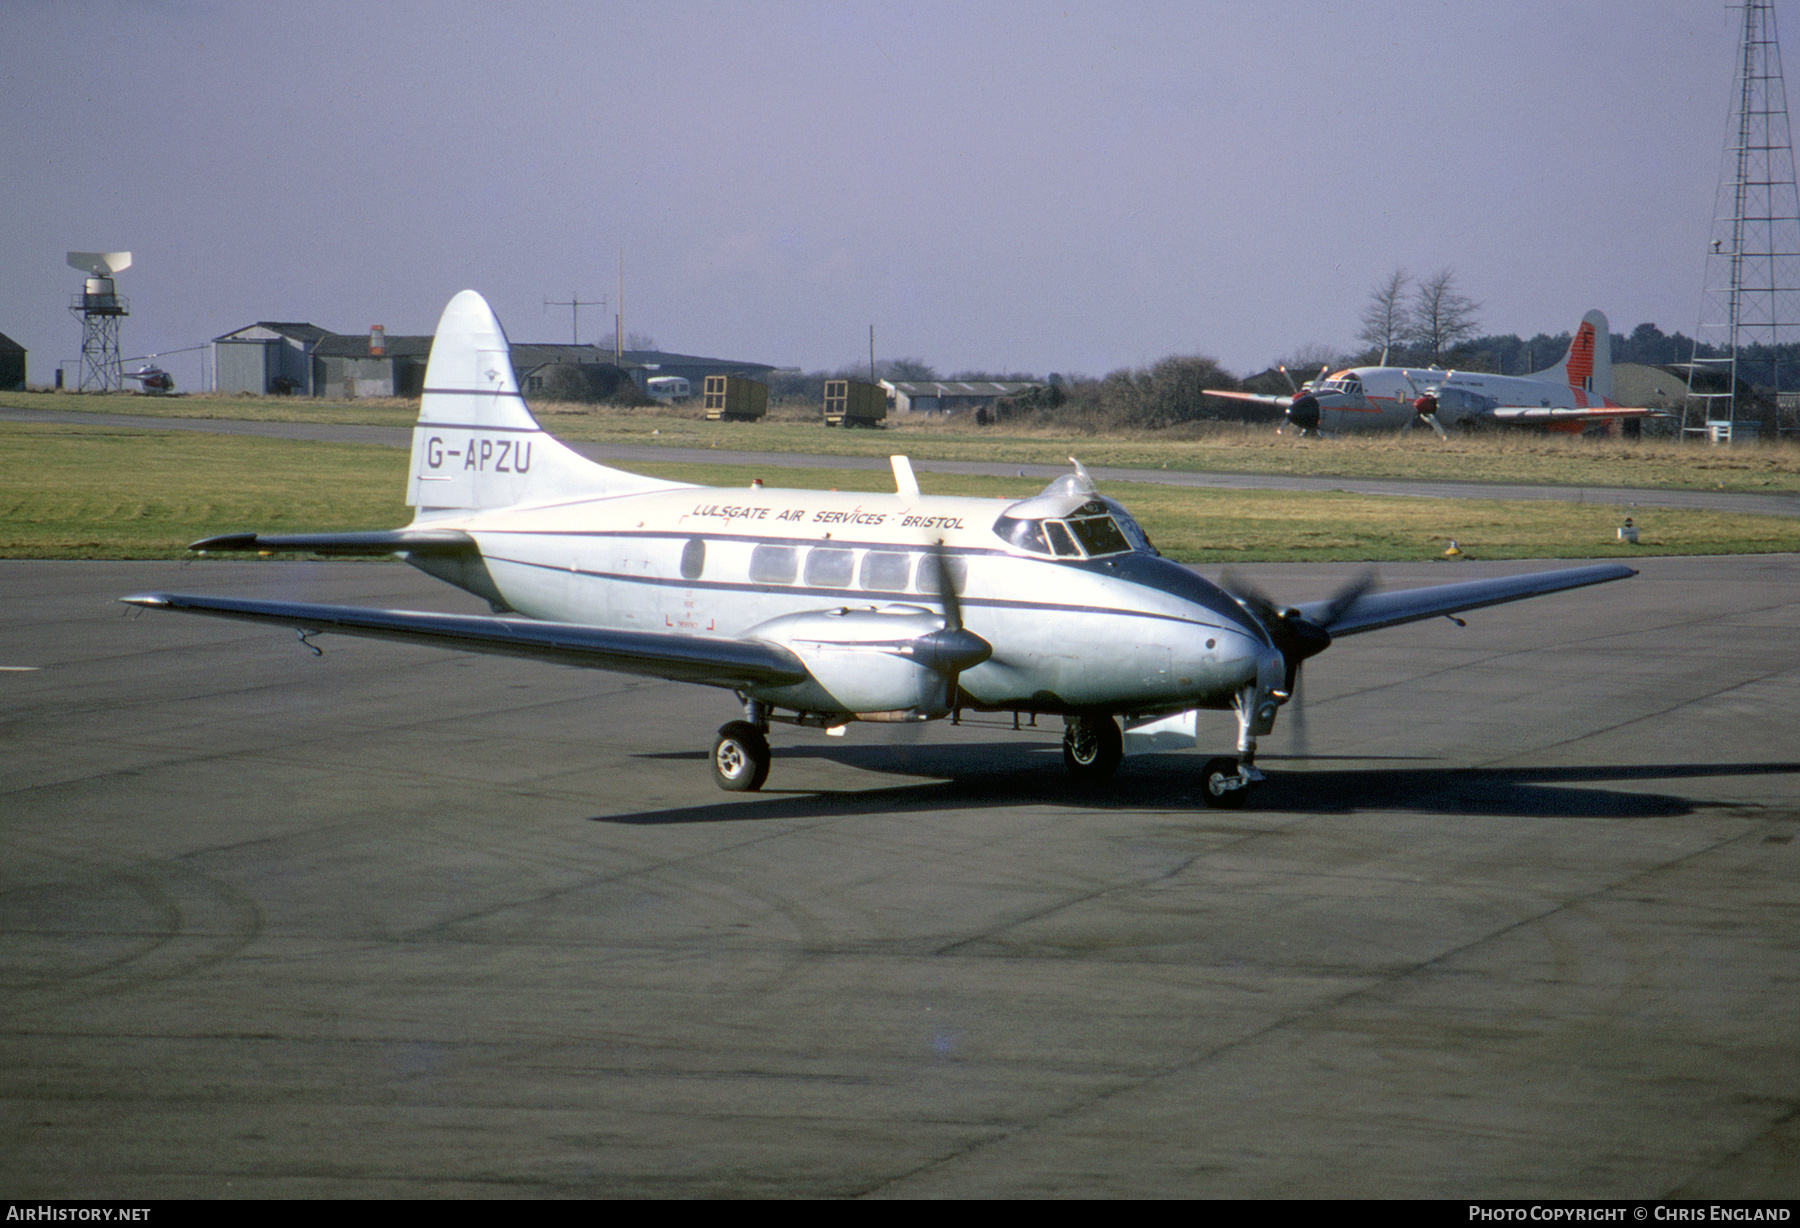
1099,535
1025,534
1134,534
1092,530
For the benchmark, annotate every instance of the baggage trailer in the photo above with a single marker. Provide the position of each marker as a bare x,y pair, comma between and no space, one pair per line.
850,402
732,398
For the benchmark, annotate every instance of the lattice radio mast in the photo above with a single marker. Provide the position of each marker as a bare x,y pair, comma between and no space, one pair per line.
1750,307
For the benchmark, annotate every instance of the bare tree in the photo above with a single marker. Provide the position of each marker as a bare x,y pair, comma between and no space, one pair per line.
1309,359
915,370
1386,321
1442,318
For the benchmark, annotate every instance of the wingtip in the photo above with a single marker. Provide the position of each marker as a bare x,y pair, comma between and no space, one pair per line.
225,541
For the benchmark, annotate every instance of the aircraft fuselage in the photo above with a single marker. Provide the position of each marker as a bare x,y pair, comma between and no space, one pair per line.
730,563
1382,398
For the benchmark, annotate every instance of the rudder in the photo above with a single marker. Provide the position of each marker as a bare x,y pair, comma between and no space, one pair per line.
476,445
1587,367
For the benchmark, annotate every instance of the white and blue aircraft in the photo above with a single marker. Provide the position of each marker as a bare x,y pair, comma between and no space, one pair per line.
822,608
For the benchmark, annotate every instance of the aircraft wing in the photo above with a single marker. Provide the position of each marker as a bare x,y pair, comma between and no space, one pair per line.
1539,415
1373,611
1259,398
680,658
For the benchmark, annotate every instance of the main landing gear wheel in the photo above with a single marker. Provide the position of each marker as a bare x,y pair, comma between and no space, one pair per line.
740,758
1223,784
1093,747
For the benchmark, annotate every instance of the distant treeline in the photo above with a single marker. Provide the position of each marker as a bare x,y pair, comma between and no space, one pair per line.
1511,355
1171,391
1646,344
809,386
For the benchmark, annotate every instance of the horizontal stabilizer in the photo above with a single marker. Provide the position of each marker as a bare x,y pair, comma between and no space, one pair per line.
386,541
1372,611
737,664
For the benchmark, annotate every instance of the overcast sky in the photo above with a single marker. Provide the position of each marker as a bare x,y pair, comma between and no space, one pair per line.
1036,187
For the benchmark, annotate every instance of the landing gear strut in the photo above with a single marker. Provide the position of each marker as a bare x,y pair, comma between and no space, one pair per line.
1225,781
1092,747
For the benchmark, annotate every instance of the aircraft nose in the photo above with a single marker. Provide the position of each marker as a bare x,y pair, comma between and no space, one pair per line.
1224,659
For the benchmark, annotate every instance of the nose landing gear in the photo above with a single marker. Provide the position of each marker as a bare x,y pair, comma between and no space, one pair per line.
1226,781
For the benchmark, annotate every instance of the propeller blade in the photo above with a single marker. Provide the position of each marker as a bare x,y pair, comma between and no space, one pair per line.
946,587
1299,744
1425,414
1293,634
1345,597
955,648
1249,596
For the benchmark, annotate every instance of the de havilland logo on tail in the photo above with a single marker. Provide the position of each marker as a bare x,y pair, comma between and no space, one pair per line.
820,608
1571,396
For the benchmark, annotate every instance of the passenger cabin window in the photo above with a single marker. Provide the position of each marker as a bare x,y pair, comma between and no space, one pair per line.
886,571
774,565
830,568
956,568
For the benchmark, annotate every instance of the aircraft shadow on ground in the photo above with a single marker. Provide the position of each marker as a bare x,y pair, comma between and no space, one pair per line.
994,775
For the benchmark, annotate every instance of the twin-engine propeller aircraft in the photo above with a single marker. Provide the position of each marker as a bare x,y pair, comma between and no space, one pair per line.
1570,397
821,608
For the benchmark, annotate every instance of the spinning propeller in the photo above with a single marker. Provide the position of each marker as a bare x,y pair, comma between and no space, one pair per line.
955,648
1294,635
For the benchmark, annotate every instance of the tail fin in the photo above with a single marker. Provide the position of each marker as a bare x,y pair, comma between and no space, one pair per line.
476,445
1588,364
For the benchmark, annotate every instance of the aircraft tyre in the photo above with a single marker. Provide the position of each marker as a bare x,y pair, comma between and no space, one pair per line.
740,758
1223,786
1093,747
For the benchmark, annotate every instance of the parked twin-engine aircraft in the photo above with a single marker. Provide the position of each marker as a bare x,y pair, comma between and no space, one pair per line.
821,608
1574,394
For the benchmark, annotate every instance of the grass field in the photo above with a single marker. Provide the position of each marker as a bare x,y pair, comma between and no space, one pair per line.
96,492
1500,456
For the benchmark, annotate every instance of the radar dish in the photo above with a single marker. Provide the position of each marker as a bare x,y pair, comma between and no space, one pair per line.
100,264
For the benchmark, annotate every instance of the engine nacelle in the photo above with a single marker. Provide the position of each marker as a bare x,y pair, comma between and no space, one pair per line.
896,659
